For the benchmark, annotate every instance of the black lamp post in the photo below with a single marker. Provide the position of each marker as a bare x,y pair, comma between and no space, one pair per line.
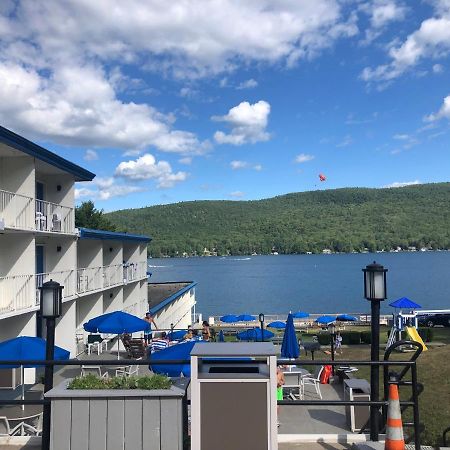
375,292
332,331
50,308
261,323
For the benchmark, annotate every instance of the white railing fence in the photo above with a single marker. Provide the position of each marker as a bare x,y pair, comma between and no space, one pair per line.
16,293
54,217
16,210
89,279
65,278
113,275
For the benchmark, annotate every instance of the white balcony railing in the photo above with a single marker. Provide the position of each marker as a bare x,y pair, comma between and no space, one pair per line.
54,217
16,293
23,212
21,292
16,210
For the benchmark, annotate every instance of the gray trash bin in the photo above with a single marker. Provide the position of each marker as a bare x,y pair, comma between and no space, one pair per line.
356,390
233,404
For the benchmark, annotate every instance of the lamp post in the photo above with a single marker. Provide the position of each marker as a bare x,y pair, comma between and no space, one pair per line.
261,323
375,292
332,331
50,308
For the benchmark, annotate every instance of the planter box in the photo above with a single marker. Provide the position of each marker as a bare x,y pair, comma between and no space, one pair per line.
117,419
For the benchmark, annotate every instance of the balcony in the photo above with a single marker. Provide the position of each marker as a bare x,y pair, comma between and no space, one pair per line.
21,292
21,212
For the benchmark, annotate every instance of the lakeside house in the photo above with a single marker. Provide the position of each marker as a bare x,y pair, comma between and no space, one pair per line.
101,271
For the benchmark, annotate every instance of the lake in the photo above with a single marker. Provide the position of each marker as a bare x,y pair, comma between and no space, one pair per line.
312,283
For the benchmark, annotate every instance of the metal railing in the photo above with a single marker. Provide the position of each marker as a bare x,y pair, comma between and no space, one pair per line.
17,210
16,293
54,217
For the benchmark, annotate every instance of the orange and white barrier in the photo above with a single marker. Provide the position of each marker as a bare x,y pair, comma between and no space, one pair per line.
394,427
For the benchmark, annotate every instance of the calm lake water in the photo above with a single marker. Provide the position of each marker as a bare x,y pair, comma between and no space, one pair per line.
312,283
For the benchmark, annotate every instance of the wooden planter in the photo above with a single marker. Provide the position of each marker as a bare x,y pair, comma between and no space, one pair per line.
117,419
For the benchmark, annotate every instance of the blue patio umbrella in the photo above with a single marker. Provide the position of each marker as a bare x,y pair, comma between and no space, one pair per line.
176,335
346,318
246,318
254,334
178,351
406,303
28,347
325,319
300,315
229,318
221,336
277,324
117,322
289,347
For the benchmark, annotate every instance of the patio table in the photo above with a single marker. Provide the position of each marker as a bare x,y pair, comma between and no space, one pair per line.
296,373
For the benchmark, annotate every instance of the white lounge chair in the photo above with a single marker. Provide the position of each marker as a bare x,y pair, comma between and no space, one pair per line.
312,380
127,371
93,370
31,425
5,427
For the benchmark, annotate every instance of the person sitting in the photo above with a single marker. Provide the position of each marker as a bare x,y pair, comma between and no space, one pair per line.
206,332
159,343
189,335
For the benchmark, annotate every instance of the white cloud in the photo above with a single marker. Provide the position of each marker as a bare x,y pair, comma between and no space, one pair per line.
248,124
105,189
146,167
78,106
187,161
180,37
236,194
443,113
90,155
402,137
236,165
438,68
431,40
348,140
247,84
381,13
303,157
398,184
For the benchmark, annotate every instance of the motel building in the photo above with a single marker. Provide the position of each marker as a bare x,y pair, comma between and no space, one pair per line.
101,271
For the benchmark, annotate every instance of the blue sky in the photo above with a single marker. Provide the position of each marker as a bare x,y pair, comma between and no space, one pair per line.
229,100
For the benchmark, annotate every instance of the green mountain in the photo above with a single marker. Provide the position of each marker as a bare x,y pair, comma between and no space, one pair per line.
342,220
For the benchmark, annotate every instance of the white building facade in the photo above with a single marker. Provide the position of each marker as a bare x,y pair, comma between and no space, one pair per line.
101,271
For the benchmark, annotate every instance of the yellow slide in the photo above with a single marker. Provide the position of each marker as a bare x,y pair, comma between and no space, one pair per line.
414,335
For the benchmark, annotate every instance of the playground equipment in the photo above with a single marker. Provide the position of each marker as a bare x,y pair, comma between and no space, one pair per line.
405,322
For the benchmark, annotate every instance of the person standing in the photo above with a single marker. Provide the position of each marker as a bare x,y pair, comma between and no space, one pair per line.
206,332
148,333
338,343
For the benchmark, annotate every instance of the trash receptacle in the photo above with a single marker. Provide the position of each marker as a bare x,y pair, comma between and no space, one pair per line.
356,390
233,396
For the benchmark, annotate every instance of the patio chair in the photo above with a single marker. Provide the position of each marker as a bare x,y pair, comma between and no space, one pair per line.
5,428
313,380
94,342
31,425
127,371
137,348
93,370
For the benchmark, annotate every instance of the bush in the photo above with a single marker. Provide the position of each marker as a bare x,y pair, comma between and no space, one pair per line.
324,338
426,333
351,337
366,337
148,383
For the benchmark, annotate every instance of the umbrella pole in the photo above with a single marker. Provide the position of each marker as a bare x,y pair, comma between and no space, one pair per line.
118,343
23,386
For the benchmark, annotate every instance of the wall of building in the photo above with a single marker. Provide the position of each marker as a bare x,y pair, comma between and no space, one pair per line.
88,307
64,196
17,254
22,325
112,252
177,313
65,328
131,298
63,260
17,175
113,300
89,253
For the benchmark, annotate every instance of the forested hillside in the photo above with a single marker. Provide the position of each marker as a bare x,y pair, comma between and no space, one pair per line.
342,220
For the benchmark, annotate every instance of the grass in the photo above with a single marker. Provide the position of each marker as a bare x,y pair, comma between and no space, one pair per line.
433,372
147,382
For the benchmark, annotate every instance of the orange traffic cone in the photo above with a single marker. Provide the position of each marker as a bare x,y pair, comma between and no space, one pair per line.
394,427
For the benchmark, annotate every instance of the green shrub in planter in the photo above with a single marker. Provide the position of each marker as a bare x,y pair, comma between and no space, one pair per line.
148,383
324,338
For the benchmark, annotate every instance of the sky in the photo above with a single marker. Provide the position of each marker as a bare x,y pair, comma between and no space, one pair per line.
226,99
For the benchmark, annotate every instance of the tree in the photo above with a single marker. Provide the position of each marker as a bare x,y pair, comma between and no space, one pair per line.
87,216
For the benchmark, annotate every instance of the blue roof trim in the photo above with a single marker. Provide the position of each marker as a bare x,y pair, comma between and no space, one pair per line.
36,151
86,233
172,298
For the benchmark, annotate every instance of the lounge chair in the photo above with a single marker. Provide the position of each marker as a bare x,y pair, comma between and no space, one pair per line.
312,380
137,348
31,425
94,370
127,371
5,427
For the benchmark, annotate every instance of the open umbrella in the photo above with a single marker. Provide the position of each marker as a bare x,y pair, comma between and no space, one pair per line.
289,347
300,315
346,318
178,351
229,318
246,318
221,336
277,324
28,347
254,334
325,319
117,322
406,303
